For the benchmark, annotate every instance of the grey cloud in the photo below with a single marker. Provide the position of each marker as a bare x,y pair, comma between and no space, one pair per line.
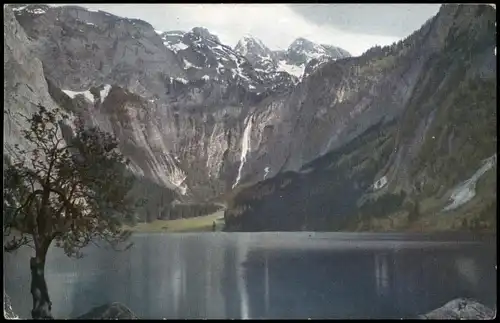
398,20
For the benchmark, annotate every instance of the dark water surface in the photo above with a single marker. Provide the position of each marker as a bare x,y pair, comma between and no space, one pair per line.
266,275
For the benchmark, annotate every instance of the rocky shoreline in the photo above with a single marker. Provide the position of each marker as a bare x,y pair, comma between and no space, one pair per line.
113,311
457,309
461,309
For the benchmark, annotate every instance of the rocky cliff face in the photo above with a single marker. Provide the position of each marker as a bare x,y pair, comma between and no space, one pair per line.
24,83
403,148
192,114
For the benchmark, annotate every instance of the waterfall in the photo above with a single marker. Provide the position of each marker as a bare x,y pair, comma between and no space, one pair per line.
245,147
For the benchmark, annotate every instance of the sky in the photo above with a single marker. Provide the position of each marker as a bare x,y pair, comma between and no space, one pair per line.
353,27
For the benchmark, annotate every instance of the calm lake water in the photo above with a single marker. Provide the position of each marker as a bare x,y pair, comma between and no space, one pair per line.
266,275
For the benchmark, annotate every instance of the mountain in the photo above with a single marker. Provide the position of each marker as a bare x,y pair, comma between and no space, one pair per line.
302,51
292,61
26,86
258,54
413,145
182,105
202,122
202,56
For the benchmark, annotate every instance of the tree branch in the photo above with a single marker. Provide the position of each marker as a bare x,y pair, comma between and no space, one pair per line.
28,200
15,243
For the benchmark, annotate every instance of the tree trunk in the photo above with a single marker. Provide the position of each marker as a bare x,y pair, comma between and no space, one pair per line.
42,305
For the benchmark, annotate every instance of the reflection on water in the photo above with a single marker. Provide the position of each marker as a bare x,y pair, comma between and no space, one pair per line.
241,250
265,275
381,275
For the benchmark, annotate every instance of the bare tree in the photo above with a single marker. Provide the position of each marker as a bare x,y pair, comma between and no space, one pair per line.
71,192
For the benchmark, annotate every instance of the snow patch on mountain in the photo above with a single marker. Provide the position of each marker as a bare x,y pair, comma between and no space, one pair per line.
104,92
182,80
72,94
19,8
266,172
292,61
295,70
380,183
464,192
188,64
36,11
316,63
176,47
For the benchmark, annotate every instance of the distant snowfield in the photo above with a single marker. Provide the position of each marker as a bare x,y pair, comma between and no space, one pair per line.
176,47
72,94
89,96
188,65
380,183
294,70
36,11
104,92
266,170
182,80
19,9
466,191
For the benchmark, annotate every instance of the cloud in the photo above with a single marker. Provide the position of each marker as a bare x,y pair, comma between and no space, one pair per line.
277,25
397,20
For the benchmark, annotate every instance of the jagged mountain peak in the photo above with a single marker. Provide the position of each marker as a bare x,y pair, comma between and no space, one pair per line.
202,56
258,54
302,42
302,50
250,43
205,33
292,61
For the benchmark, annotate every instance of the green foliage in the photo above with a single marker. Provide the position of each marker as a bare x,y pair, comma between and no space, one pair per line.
484,220
71,193
323,199
414,211
382,206
462,135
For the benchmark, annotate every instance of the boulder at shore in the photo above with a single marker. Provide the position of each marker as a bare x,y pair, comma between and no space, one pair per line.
113,311
461,309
